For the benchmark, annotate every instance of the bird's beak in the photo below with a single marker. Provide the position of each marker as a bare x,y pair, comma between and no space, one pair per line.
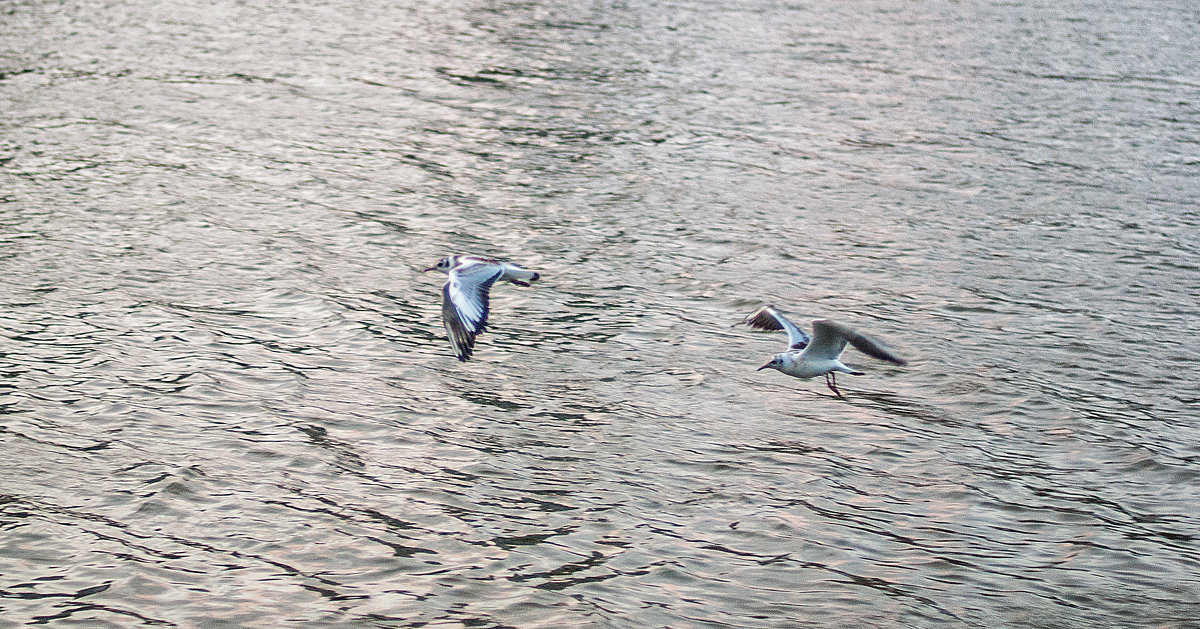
432,268
763,367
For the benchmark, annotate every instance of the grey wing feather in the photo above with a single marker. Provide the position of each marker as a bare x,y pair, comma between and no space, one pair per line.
874,348
461,339
465,306
829,339
836,335
768,318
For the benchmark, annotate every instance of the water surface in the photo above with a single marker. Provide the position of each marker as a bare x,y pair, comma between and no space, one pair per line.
227,400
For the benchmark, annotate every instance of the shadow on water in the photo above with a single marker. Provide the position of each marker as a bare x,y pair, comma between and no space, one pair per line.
226,396
891,404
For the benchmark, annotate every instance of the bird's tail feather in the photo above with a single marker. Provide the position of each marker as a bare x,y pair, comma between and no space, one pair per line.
850,370
519,276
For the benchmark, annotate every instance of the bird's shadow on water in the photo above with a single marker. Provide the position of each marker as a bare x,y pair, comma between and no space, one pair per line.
899,406
884,403
485,398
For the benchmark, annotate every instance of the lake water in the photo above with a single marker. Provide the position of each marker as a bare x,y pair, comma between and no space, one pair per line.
227,400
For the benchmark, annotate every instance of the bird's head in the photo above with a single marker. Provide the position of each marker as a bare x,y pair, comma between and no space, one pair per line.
775,363
443,265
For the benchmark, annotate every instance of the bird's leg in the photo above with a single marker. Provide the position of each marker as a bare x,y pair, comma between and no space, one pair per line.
831,382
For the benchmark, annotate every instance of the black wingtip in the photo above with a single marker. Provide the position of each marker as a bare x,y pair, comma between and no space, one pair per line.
463,348
761,319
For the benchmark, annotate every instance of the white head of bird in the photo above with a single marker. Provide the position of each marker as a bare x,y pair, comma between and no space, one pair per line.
444,265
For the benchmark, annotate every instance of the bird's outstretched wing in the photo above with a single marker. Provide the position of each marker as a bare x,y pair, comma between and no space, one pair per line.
465,304
830,338
768,318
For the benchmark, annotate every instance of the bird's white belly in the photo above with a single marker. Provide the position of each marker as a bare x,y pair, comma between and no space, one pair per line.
810,368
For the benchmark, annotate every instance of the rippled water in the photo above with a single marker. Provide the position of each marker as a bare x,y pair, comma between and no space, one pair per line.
227,399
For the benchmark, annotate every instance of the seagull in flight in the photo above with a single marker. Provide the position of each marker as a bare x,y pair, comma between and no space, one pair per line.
808,357
465,295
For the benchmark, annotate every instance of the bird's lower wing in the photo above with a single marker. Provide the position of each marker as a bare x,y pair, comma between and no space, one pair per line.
462,338
465,306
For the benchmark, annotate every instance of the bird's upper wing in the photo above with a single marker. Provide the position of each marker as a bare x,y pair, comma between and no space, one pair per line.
768,318
465,304
830,338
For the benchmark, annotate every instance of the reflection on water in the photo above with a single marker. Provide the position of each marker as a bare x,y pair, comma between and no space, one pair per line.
226,397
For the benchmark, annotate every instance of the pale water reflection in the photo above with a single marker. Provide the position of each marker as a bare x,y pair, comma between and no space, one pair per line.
226,399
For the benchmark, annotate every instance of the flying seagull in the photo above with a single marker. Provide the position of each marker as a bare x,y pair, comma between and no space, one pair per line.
465,295
817,356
